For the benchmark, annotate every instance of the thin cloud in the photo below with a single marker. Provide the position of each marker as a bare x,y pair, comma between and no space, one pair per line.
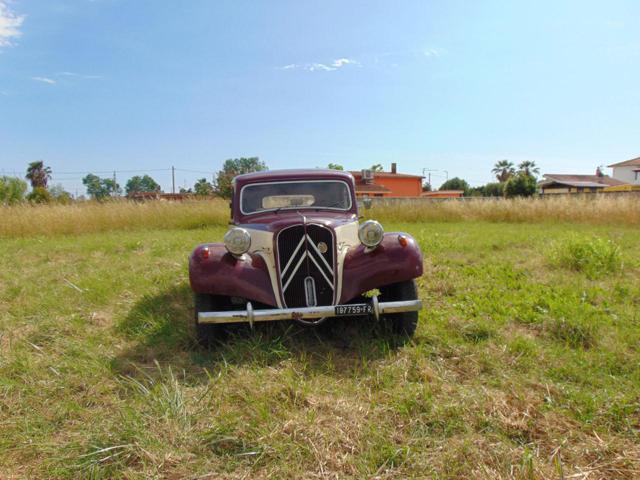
434,52
321,67
78,75
50,81
10,24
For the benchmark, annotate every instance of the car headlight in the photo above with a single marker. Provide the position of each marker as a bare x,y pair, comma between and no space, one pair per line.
370,233
237,241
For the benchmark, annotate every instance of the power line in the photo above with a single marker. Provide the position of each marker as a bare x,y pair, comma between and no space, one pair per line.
193,171
117,171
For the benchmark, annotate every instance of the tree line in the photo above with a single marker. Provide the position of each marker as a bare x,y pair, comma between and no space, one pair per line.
15,190
511,181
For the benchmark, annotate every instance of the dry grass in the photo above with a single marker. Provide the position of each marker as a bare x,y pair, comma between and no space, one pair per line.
597,209
91,217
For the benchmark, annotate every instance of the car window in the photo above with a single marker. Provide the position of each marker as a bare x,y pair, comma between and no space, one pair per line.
326,194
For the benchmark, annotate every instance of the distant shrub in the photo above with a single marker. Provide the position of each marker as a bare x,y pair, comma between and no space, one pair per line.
12,190
39,195
593,256
60,195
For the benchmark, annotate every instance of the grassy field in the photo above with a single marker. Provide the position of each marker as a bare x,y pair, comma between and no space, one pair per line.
526,364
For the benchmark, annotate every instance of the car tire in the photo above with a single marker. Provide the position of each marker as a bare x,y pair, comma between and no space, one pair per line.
206,333
404,323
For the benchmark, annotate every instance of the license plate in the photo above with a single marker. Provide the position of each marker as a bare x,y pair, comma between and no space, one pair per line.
355,309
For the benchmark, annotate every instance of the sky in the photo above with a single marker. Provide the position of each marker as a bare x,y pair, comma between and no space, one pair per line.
138,86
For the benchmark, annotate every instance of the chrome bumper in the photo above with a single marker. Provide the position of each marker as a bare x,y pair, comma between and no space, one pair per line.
250,315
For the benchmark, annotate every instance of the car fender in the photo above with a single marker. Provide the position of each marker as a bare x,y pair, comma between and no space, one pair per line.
220,273
390,262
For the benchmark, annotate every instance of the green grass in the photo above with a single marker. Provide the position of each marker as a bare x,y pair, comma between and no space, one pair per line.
521,367
594,256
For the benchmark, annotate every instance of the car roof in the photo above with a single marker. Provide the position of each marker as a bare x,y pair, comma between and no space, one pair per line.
293,174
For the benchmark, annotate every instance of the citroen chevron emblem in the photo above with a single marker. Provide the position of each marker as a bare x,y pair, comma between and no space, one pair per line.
314,255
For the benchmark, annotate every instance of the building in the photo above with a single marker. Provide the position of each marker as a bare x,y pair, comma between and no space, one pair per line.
627,171
443,194
387,184
143,196
557,183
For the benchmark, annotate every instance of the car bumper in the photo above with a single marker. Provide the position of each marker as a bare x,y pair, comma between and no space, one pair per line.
307,313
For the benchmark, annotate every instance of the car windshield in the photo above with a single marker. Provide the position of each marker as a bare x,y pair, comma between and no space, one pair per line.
327,194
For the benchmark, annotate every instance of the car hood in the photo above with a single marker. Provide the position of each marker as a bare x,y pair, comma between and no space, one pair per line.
274,222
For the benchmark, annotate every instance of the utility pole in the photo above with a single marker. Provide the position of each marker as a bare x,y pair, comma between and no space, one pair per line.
115,188
425,170
173,179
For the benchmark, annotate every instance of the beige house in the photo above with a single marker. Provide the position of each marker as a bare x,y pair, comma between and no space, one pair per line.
560,183
627,172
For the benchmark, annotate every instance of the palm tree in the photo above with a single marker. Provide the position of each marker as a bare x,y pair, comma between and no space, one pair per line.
528,168
38,174
376,168
503,170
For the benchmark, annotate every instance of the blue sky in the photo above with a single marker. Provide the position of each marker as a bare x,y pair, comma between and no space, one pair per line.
444,85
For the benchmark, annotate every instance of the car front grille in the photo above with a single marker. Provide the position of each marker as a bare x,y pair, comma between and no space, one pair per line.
306,264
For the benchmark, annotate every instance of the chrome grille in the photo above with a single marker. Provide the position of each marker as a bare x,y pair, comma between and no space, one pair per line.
301,255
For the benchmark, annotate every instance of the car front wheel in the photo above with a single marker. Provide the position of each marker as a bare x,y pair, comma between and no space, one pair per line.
403,323
206,333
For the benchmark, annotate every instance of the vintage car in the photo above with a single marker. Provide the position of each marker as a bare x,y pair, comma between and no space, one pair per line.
296,251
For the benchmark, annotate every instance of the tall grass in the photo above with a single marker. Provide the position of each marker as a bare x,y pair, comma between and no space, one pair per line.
90,217
598,209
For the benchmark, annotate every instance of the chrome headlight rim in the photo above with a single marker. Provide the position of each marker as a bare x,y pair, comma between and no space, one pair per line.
365,238
237,241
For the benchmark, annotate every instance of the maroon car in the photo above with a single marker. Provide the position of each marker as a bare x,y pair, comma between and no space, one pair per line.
296,251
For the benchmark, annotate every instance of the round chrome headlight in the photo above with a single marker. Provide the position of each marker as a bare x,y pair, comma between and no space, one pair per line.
370,233
237,241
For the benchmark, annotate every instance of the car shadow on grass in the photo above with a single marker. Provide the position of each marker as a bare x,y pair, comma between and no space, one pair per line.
159,330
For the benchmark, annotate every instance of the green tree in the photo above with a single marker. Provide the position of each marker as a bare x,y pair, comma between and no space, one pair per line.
503,170
202,188
12,190
376,168
100,188
233,167
38,175
426,187
137,184
456,183
335,166
528,168
520,185
493,190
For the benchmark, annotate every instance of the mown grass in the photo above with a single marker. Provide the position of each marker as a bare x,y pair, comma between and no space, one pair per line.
520,368
91,217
